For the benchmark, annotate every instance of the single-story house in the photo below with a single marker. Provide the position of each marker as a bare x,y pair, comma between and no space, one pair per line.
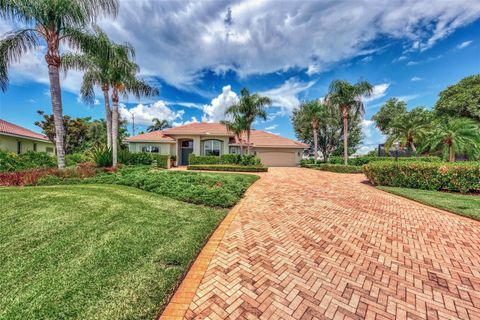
214,139
17,139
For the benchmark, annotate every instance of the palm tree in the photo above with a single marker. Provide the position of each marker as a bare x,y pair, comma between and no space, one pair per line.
96,67
453,136
249,108
123,80
311,112
237,126
158,125
54,22
348,98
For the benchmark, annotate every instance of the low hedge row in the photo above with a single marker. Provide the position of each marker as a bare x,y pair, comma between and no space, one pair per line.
461,177
236,159
10,162
143,158
360,161
222,167
339,168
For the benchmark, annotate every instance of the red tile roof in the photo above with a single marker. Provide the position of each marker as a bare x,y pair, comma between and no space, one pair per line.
258,138
10,128
155,136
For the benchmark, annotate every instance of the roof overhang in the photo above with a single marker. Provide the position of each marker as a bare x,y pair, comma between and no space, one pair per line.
149,141
24,137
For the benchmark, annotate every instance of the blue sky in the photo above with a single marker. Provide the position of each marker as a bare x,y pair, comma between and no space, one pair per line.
201,56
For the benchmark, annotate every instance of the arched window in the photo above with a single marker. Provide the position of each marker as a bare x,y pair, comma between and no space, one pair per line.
212,147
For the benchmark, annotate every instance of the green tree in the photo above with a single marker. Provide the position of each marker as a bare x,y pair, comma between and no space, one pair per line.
51,22
407,128
237,126
311,112
249,108
461,99
97,72
158,125
348,99
391,109
453,136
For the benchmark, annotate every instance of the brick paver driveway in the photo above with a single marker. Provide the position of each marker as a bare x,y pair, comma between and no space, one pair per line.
306,244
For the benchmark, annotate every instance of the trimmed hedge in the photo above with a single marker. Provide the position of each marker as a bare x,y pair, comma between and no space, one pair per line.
10,162
143,158
360,161
223,167
461,177
237,159
338,168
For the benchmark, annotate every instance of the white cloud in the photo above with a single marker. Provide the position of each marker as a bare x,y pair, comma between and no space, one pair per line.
286,95
379,91
464,44
408,97
401,58
215,111
372,137
144,114
272,127
182,123
412,63
414,79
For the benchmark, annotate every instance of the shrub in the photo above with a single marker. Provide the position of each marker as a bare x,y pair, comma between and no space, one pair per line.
76,158
160,160
102,156
226,167
243,160
462,177
10,161
339,168
124,156
360,161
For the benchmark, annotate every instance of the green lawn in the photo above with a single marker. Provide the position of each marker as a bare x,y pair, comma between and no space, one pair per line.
465,205
95,251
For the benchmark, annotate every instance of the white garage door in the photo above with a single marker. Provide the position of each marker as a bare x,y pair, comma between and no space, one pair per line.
278,158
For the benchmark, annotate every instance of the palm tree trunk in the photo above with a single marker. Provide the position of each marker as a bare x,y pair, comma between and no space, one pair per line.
53,61
248,141
114,126
345,135
315,143
451,153
108,114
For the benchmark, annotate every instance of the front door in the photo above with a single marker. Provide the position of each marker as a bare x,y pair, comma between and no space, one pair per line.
187,148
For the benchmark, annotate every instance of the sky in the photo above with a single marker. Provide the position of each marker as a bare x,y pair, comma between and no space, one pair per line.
200,54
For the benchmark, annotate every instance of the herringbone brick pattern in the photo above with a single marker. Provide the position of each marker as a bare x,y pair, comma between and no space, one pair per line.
307,244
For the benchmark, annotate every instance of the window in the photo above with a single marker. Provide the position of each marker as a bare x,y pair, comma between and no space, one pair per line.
212,147
34,147
19,147
49,149
187,144
234,150
151,149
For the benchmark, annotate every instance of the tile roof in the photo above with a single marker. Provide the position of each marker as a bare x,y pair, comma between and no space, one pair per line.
258,138
155,136
10,128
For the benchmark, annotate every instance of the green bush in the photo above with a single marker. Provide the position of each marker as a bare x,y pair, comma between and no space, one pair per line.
76,158
461,177
143,158
160,160
124,156
102,156
139,158
243,160
339,168
360,161
10,161
227,167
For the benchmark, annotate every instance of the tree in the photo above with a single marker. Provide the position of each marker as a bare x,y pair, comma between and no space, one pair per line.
249,108
123,80
96,69
391,109
330,131
453,136
348,98
237,126
461,99
54,22
311,112
158,125
407,128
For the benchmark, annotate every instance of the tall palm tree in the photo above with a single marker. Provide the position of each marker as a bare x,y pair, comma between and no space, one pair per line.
54,22
249,108
453,136
96,72
348,98
311,112
124,81
158,125
237,126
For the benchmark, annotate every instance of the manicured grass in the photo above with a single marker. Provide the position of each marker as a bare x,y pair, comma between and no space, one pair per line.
95,251
465,205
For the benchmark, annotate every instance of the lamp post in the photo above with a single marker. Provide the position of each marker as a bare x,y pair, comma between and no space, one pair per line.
396,145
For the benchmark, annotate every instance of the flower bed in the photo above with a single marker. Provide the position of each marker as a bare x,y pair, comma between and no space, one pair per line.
221,167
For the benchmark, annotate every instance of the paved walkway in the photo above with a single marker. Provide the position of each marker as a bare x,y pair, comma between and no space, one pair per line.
306,244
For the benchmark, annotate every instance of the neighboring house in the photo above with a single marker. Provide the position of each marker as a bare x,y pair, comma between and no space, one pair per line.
214,139
17,139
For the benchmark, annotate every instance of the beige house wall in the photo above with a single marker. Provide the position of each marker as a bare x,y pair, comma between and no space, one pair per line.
164,148
9,143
